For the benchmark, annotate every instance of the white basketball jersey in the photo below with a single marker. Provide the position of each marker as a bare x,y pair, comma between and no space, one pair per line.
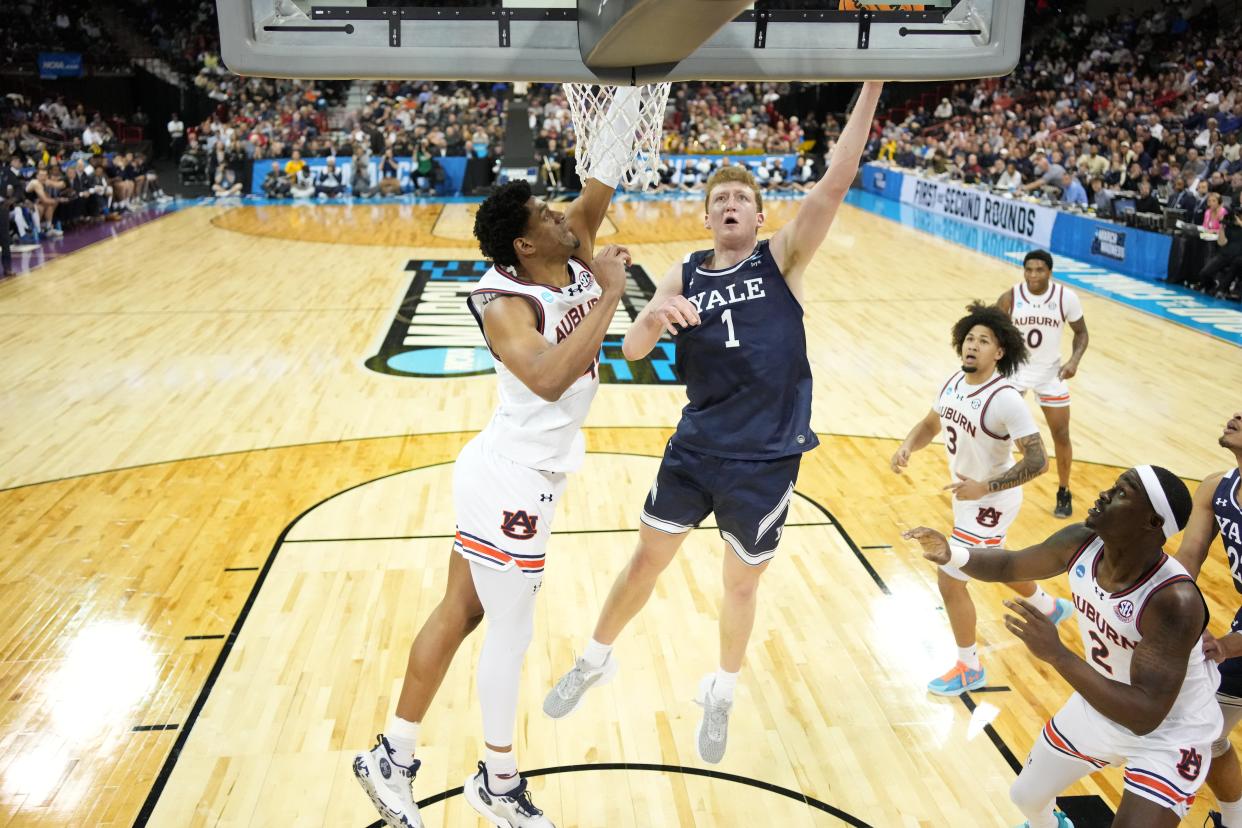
1042,319
526,428
1109,624
977,438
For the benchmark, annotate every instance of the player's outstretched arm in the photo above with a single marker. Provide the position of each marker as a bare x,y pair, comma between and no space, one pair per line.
1171,624
1034,462
1034,563
1201,529
608,160
795,243
668,311
546,369
918,438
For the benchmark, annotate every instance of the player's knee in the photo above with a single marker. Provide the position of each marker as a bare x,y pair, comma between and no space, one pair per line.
648,562
741,585
1221,746
1024,797
1061,434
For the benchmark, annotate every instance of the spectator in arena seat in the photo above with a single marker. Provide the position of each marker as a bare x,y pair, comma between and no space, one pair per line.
1185,198
226,184
1010,179
176,135
1221,275
1201,202
1051,178
1074,193
329,183
276,184
944,110
40,191
389,183
360,183
1214,214
8,201
303,183
1146,201
1195,167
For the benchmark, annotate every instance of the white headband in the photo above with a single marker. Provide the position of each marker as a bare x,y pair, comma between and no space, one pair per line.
1155,493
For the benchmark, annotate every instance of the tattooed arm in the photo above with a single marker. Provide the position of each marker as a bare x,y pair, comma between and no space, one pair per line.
1034,462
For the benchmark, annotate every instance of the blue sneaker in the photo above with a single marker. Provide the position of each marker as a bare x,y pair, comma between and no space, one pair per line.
1064,610
1062,821
958,680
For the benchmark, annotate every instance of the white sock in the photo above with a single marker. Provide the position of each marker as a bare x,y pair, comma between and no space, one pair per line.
1042,601
502,773
1230,813
724,685
969,656
596,654
402,739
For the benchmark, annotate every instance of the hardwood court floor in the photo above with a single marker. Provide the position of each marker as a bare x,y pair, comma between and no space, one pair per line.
177,397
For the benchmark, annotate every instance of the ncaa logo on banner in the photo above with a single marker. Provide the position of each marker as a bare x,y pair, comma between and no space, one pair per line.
1109,243
434,335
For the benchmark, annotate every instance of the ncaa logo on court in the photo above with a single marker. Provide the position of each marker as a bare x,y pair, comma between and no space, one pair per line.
433,333
1125,610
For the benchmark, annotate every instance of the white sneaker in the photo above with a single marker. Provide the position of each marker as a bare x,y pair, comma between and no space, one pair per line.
714,726
565,697
388,785
509,810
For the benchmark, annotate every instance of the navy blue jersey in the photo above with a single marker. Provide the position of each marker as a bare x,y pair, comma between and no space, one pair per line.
1229,519
744,364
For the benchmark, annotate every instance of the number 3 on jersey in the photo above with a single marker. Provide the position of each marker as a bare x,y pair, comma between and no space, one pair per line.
727,318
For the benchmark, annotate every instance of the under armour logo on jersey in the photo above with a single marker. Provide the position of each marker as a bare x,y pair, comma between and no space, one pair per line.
1220,501
519,525
545,498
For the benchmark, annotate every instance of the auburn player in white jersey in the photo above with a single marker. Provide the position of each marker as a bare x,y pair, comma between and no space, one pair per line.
1218,510
983,418
1041,309
1144,696
544,313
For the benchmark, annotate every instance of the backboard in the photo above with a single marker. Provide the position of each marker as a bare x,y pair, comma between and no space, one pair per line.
538,40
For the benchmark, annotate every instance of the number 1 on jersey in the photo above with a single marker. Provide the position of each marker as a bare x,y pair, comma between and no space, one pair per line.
727,318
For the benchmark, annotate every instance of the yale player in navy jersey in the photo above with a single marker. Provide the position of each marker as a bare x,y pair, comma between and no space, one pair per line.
736,313
1143,692
1217,509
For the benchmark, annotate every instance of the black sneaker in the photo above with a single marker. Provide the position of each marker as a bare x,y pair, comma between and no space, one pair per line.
1065,504
1214,818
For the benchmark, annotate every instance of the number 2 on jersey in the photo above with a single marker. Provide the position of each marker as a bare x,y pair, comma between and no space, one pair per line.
727,318
1099,652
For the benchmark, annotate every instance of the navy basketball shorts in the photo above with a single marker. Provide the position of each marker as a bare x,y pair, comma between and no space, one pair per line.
750,498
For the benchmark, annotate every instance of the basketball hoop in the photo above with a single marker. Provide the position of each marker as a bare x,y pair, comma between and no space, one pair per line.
618,130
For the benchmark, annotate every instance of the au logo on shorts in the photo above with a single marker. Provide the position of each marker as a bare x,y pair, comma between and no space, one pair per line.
519,525
433,334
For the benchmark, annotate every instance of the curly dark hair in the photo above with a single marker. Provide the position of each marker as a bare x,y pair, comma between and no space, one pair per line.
1001,326
502,217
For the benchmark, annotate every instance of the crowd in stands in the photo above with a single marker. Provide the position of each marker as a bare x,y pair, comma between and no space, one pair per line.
63,167
1142,111
28,27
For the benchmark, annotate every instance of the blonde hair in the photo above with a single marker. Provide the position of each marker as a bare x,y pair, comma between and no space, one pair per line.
729,175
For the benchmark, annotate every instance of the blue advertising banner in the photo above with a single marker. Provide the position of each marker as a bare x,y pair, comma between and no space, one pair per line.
1129,250
454,171
60,64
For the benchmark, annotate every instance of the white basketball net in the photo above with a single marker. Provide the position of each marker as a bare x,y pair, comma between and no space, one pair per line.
618,131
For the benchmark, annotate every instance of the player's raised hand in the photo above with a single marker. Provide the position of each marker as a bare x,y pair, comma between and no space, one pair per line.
609,267
1035,630
900,459
967,489
935,545
676,310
